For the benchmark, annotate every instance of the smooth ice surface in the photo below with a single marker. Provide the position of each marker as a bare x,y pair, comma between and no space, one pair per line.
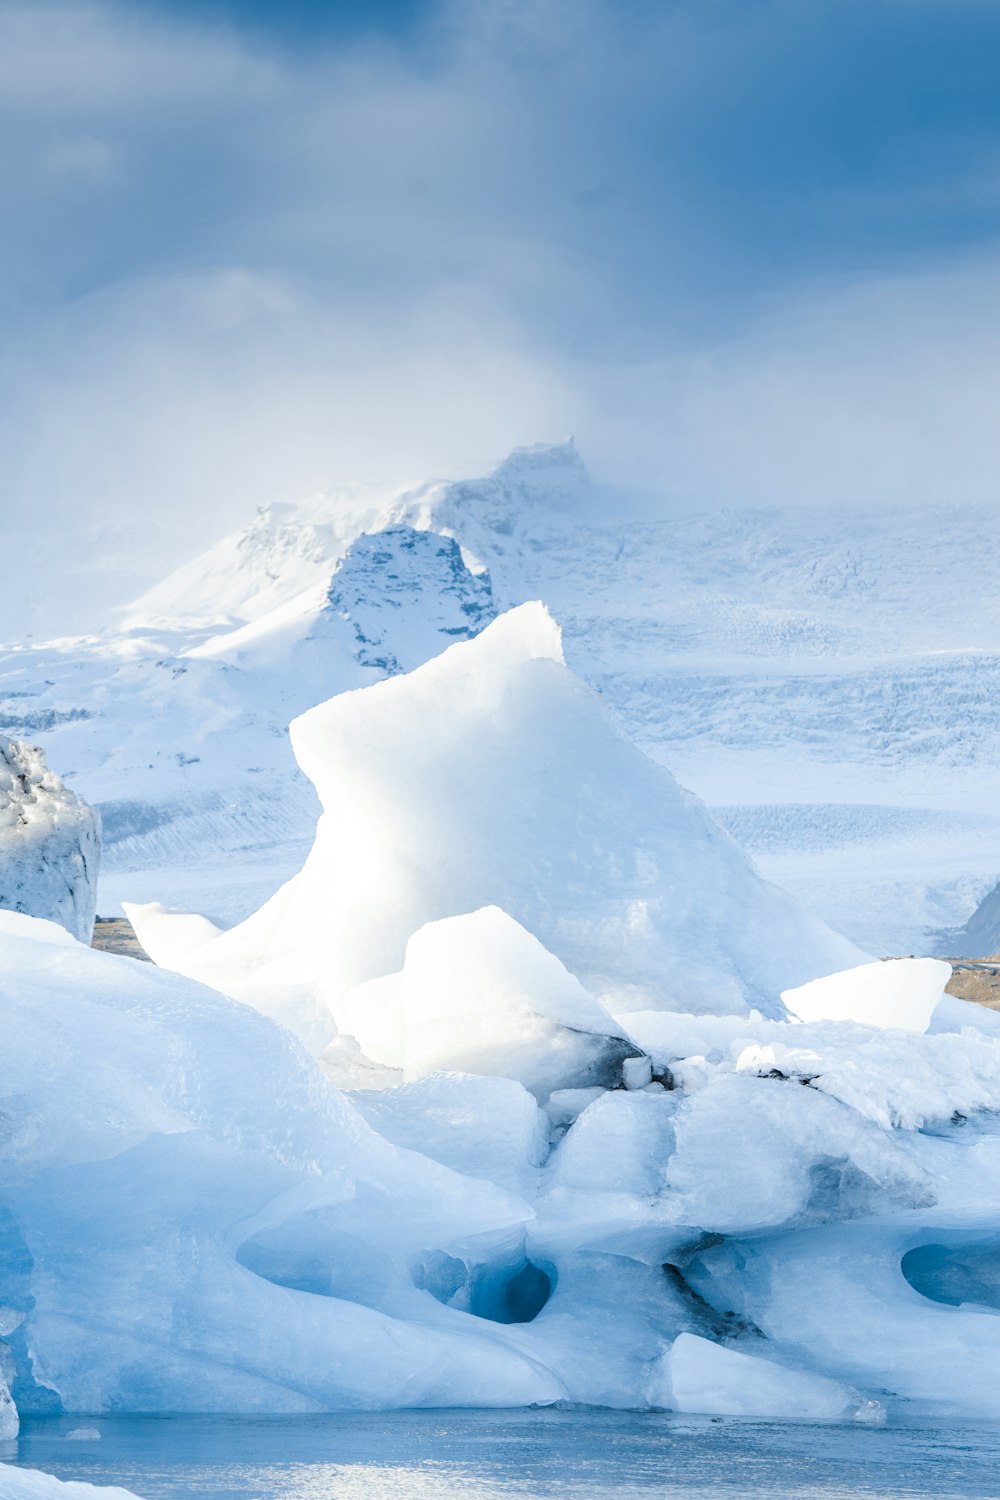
479,994
699,1376
484,1127
538,1455
901,994
50,843
191,1218
492,776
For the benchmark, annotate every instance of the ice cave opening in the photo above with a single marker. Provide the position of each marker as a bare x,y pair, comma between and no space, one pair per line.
955,1274
511,1290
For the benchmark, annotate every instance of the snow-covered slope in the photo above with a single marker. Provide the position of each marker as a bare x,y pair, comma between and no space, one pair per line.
289,551
830,680
979,937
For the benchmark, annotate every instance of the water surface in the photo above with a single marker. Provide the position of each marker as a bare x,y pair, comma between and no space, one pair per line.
532,1455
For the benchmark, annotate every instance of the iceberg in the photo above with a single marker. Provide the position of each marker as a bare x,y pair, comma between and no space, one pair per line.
193,1219
491,776
50,843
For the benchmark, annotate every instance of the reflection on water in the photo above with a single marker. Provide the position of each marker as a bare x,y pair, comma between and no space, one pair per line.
533,1455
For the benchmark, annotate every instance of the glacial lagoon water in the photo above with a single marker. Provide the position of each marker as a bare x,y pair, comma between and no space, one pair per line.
530,1455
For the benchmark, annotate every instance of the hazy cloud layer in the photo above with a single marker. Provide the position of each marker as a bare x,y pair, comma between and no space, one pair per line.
746,252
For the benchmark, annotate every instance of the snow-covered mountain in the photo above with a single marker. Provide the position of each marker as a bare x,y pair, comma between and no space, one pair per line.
829,682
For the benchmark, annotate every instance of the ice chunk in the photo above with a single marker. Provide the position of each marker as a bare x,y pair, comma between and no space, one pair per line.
32,1484
563,1106
50,843
169,934
239,1238
637,1072
836,1297
479,994
896,1079
485,1127
900,994
953,1014
493,776
697,1375
622,1142
10,1423
801,1154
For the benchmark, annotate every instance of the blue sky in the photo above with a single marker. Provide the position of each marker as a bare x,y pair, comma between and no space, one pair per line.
701,153
745,251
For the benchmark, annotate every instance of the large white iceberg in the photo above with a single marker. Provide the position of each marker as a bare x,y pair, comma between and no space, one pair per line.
50,842
492,776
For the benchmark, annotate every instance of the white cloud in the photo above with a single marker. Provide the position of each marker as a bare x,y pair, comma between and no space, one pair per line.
87,57
885,391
